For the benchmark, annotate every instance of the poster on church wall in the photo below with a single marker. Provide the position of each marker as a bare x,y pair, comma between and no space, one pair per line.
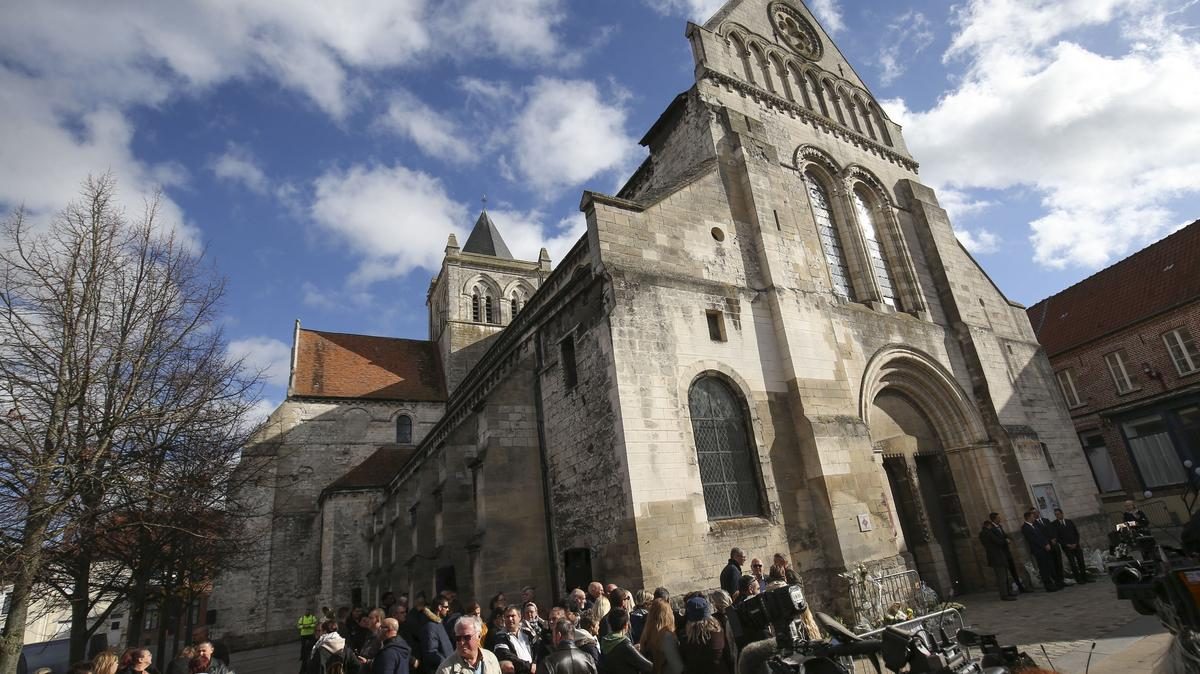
1045,499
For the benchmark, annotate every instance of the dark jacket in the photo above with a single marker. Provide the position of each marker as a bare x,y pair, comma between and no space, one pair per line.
1066,532
1035,538
788,576
618,656
706,658
1047,528
995,544
1137,517
435,646
394,657
505,651
637,621
730,577
567,659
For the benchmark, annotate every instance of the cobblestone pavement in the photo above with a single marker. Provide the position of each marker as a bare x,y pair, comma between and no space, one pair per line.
1066,624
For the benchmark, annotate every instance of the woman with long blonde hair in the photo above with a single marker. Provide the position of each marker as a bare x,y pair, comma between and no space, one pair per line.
105,662
659,642
600,609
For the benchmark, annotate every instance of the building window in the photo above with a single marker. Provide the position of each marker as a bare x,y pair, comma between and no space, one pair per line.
1153,452
404,430
515,306
879,264
489,310
1101,462
567,358
724,450
716,325
1066,384
1120,375
827,232
1183,350
476,305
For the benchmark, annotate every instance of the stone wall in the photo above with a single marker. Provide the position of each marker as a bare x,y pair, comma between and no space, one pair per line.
305,446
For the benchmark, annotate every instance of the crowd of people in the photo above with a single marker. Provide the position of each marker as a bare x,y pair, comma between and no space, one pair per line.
601,629
201,656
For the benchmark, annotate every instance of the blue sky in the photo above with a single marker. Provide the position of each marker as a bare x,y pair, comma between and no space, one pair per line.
321,152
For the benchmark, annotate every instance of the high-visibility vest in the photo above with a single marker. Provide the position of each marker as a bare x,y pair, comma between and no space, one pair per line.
307,624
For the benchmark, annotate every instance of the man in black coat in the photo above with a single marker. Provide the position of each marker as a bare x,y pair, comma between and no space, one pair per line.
733,572
994,545
435,643
567,658
1047,528
1014,577
1040,548
1068,537
394,656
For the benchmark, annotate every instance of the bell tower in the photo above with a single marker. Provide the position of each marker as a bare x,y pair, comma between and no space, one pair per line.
480,289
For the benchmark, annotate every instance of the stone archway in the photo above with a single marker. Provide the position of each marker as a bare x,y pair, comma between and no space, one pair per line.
923,425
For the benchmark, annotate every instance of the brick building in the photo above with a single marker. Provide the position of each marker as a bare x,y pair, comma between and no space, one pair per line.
769,338
1123,346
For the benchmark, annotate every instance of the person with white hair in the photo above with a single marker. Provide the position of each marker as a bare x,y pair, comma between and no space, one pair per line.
470,657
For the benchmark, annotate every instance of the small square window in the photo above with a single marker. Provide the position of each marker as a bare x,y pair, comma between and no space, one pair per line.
716,325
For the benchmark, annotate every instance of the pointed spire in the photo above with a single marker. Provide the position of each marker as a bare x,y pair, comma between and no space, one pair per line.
485,239
451,244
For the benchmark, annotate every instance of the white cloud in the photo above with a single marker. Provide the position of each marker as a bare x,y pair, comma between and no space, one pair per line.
907,35
1108,142
569,133
434,132
237,165
396,218
696,10
829,13
978,241
270,357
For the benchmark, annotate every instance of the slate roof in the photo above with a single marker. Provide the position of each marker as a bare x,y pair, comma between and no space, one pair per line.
375,472
338,365
485,239
1157,278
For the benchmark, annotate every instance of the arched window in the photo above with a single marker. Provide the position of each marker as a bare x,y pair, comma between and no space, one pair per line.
724,450
516,303
476,305
827,232
867,220
489,310
403,430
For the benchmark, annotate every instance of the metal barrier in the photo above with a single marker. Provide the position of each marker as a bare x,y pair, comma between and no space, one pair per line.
948,619
873,598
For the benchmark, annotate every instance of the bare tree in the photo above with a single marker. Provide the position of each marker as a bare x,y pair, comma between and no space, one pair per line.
111,358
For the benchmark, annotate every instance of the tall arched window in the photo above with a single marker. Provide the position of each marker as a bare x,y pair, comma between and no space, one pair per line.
724,450
827,232
403,430
879,263
476,305
489,310
516,303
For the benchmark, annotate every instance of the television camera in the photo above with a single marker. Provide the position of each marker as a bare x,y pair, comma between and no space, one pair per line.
794,651
1163,580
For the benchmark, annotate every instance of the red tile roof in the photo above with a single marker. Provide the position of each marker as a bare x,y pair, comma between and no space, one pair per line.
337,365
1159,277
375,472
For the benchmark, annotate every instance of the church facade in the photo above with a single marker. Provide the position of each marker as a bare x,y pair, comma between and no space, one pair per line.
769,338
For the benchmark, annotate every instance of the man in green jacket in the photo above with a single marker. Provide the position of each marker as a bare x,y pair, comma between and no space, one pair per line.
307,624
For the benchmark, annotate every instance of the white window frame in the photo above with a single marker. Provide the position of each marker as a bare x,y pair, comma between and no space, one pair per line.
1072,398
1186,362
1116,368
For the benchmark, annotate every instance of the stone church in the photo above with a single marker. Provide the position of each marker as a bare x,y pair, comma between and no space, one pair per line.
768,338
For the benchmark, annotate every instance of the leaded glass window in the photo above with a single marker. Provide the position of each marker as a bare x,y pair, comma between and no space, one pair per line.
724,451
831,245
404,430
866,220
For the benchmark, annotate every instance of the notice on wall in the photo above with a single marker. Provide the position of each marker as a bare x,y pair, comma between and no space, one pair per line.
864,522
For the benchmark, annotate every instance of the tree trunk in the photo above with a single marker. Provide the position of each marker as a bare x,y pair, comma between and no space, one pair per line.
137,612
81,631
12,640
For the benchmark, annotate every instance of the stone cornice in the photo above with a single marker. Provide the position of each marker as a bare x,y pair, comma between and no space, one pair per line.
845,133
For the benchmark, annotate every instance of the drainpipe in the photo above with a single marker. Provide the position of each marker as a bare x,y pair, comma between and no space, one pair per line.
544,457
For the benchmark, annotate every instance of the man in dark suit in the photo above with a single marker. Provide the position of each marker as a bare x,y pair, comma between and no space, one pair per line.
1068,538
1047,528
1008,555
1039,548
994,544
